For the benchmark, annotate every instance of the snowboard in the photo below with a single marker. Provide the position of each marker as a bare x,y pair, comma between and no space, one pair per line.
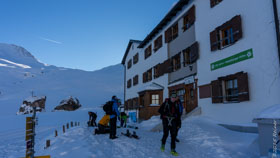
133,127
129,135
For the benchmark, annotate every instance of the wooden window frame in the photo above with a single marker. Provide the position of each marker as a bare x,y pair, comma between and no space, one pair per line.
227,90
156,71
144,77
149,75
187,57
189,19
227,34
156,99
158,43
129,83
213,3
136,58
135,80
171,33
129,64
176,62
148,51
220,92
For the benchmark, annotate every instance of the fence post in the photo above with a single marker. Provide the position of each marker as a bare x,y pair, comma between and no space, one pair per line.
63,129
55,133
48,144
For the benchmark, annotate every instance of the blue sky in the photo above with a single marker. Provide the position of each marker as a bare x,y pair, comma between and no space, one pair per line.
83,34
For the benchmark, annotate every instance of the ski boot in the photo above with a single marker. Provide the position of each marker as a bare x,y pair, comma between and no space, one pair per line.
174,153
162,148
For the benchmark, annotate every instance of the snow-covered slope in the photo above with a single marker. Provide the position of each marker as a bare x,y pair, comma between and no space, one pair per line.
21,73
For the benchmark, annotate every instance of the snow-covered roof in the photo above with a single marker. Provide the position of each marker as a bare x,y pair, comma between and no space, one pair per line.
33,99
151,87
272,112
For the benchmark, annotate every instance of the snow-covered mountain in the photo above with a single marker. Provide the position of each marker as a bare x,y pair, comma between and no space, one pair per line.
21,74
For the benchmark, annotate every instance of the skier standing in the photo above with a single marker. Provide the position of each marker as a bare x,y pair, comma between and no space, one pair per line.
169,114
179,121
113,118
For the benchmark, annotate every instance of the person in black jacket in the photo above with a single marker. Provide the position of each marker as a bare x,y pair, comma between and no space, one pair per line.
169,112
92,119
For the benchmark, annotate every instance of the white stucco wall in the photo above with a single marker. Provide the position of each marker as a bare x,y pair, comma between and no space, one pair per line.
263,69
157,57
142,66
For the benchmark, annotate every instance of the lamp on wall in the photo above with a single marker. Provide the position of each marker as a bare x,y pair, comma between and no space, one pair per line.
191,67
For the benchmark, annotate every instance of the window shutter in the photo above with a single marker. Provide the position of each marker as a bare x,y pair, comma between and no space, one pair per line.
212,3
217,95
194,52
243,88
236,27
192,14
168,34
214,40
160,70
166,66
144,77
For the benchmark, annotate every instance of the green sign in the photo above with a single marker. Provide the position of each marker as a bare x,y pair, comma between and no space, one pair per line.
247,54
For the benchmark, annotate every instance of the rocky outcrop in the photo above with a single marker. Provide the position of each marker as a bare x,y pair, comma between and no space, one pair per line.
29,103
70,104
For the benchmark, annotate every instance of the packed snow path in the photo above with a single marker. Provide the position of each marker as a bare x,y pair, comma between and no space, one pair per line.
199,139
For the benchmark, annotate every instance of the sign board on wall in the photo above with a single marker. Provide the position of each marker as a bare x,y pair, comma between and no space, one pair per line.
189,80
245,55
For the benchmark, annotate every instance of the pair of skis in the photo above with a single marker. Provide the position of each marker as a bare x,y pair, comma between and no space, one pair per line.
129,135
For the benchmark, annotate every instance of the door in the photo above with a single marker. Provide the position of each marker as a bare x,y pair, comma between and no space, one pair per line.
190,97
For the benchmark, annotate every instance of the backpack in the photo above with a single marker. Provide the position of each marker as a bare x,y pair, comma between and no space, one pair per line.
167,110
108,107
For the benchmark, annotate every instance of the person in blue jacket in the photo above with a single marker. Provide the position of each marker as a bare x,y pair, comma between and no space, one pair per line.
113,118
179,121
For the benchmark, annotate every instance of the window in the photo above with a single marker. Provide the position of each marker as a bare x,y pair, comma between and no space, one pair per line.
155,99
135,58
158,43
129,83
226,34
148,51
231,88
181,94
187,56
171,33
135,80
213,3
145,79
149,74
129,64
156,71
176,62
189,18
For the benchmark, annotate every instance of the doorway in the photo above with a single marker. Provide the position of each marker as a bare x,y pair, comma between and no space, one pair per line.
191,97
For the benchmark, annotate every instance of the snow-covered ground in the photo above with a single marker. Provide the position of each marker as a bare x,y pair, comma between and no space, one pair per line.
199,138
22,73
